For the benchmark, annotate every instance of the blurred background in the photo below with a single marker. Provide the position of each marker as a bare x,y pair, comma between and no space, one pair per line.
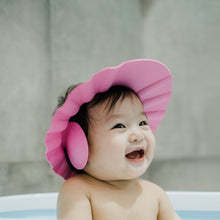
47,45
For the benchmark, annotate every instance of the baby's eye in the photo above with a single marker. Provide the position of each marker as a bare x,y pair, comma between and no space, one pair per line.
142,123
119,125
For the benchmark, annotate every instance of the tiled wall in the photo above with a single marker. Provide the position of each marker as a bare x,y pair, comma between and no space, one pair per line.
25,90
184,34
47,45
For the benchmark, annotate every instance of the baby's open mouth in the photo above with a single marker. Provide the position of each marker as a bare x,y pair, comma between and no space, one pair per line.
135,155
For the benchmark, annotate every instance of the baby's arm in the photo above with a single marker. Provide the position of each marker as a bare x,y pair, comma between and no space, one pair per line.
166,210
73,201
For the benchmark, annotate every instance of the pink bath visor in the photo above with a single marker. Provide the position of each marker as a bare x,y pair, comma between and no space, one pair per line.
150,79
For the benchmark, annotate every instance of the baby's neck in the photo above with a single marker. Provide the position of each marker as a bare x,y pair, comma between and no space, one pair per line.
130,184
124,184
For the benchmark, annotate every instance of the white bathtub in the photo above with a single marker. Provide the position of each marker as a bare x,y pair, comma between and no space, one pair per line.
201,201
12,207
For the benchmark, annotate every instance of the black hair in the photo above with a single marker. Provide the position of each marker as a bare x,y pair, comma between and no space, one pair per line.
111,97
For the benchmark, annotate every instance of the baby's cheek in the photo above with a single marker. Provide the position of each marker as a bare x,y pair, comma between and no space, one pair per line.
151,149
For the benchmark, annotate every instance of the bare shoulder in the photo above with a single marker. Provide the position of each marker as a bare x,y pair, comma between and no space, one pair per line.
157,190
71,183
154,188
73,198
165,208
72,187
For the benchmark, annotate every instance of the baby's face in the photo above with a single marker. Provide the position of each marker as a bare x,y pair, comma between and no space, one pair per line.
121,143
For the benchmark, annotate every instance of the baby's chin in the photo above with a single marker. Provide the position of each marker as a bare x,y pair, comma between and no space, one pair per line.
128,175
128,171
135,170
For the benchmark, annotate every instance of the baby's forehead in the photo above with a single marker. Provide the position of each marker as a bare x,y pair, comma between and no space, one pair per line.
110,109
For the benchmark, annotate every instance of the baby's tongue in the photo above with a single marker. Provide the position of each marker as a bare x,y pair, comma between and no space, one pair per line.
133,155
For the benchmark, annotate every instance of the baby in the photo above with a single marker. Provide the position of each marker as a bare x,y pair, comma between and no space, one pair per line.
101,141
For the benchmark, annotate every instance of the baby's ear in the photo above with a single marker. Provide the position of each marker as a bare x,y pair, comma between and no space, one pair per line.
76,145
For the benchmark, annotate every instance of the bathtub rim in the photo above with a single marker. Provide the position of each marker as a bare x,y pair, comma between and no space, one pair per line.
195,200
181,200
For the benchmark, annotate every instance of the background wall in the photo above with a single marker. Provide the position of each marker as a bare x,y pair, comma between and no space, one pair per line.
47,45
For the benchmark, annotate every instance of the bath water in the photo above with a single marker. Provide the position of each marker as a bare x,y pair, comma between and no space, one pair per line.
50,214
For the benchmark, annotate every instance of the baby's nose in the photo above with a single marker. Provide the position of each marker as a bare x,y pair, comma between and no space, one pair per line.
136,137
